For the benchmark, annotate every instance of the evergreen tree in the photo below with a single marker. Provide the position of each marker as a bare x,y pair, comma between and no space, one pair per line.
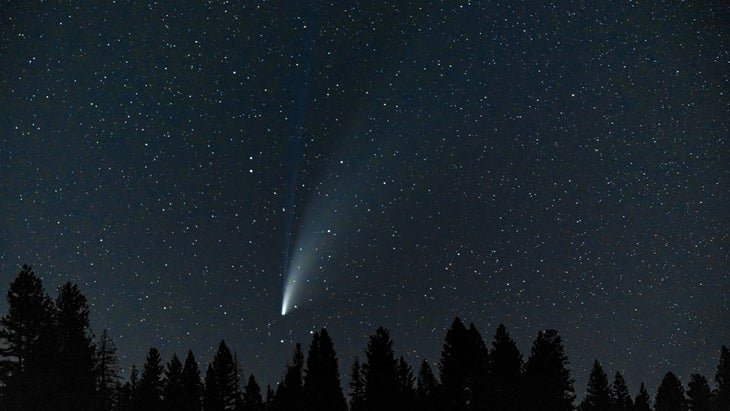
722,379
290,393
357,387
76,360
478,359
321,386
642,402
151,384
212,399
620,397
670,395
598,393
426,388
548,384
454,366
699,396
406,399
226,376
252,400
506,368
270,398
127,393
174,394
380,372
107,372
27,345
191,385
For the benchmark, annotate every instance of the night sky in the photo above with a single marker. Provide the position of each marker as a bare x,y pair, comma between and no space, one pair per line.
545,165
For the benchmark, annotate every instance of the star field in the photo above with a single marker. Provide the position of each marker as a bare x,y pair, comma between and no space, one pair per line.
546,165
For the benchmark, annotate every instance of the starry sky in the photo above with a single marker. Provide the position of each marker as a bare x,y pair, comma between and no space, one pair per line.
542,164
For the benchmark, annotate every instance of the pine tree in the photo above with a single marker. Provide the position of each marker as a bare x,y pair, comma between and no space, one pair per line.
406,391
252,400
76,361
642,402
191,385
598,393
380,372
549,386
226,376
151,385
426,388
464,368
722,379
620,397
321,386
212,399
357,387
699,396
107,372
670,395
290,393
127,393
454,366
506,363
174,396
27,344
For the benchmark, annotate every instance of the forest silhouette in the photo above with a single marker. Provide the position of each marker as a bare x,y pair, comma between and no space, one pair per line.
49,360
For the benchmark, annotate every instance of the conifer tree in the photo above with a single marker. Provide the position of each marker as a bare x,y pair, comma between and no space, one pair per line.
191,384
151,384
426,388
506,368
174,394
548,384
406,391
699,396
252,400
226,376
76,359
464,368
357,387
27,344
107,372
670,394
380,372
212,399
598,393
722,379
642,402
620,397
321,385
290,393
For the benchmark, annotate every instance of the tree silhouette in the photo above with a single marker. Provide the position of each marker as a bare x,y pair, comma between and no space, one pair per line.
77,385
127,393
547,378
699,396
212,399
642,402
27,348
620,397
380,372
406,399
321,386
670,394
191,385
252,400
506,368
426,388
598,393
151,385
107,372
454,368
290,393
226,377
722,379
357,387
174,394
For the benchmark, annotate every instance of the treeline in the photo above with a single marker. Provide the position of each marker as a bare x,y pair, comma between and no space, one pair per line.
49,360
